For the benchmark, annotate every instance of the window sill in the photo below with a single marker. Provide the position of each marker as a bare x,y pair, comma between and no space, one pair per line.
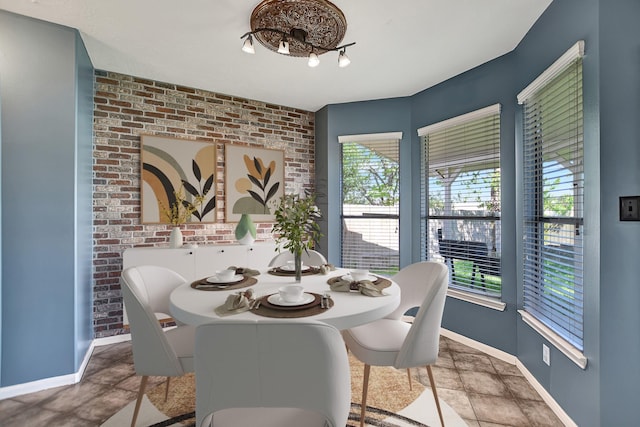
477,299
556,340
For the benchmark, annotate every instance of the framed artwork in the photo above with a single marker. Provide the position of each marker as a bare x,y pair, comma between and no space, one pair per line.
254,182
178,181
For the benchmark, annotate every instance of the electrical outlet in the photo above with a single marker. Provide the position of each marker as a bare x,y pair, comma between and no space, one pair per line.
546,358
630,208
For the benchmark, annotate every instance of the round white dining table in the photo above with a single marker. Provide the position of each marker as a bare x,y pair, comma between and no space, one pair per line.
194,307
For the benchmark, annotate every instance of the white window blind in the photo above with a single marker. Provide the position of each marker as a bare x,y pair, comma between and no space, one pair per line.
370,202
553,198
461,199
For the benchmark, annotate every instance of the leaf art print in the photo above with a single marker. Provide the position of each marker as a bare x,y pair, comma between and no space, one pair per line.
254,182
178,181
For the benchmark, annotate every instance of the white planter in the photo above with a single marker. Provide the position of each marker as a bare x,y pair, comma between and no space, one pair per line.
175,239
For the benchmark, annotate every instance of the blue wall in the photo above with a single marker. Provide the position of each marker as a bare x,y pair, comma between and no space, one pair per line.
619,321
83,300
354,119
46,217
608,391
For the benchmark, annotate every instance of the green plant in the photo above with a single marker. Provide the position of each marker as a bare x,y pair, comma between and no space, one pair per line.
180,210
296,223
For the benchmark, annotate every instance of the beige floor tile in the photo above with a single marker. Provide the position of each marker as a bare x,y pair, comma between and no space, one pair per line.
459,401
540,414
455,346
444,378
10,407
101,408
520,388
75,396
113,375
505,368
484,383
445,360
41,396
33,416
485,391
499,410
473,362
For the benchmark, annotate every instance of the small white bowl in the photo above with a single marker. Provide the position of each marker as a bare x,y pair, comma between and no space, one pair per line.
359,275
226,275
291,293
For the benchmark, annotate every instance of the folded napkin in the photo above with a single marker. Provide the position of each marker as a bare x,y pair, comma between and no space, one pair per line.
326,268
365,287
236,303
244,271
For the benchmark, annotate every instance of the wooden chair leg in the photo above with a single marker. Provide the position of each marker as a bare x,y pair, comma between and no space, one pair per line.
166,390
365,387
143,385
409,376
435,394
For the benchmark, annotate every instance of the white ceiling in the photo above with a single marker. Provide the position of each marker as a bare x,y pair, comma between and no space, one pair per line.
402,46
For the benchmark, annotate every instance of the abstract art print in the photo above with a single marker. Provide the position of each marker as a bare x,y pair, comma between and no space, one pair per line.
178,181
254,182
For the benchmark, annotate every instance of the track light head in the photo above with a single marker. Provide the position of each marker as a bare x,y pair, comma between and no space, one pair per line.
284,46
247,46
314,61
343,59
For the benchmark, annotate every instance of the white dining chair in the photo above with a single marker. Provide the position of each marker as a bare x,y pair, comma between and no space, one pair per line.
156,352
272,373
309,257
393,342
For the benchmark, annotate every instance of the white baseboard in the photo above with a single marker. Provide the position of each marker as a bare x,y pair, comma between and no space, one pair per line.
509,358
98,342
46,383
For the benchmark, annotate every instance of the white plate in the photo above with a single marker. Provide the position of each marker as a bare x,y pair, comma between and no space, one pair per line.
234,279
351,279
276,300
293,268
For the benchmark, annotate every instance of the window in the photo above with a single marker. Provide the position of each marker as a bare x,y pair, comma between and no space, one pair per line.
553,193
461,199
370,202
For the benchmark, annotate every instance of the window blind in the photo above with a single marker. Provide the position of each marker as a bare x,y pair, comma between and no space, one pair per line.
553,200
461,199
370,203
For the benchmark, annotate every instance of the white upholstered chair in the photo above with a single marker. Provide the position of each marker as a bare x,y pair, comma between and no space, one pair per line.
394,342
309,257
156,352
272,373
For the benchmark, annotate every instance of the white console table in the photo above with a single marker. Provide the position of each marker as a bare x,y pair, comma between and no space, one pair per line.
202,261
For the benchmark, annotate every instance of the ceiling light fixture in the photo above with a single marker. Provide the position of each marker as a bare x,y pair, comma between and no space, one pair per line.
306,28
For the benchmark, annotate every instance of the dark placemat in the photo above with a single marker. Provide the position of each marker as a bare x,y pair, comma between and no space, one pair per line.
280,272
380,282
203,285
267,309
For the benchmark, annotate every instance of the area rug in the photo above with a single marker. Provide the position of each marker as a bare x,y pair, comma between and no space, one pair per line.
390,403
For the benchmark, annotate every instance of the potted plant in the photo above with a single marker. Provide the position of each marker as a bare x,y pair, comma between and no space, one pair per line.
179,213
296,226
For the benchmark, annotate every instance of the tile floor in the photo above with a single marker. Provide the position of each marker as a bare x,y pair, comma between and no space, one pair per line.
485,391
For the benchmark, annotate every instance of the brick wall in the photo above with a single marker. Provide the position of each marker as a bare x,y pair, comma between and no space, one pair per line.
126,107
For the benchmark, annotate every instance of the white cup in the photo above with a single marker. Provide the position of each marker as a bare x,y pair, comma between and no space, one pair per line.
359,275
226,275
291,293
291,265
